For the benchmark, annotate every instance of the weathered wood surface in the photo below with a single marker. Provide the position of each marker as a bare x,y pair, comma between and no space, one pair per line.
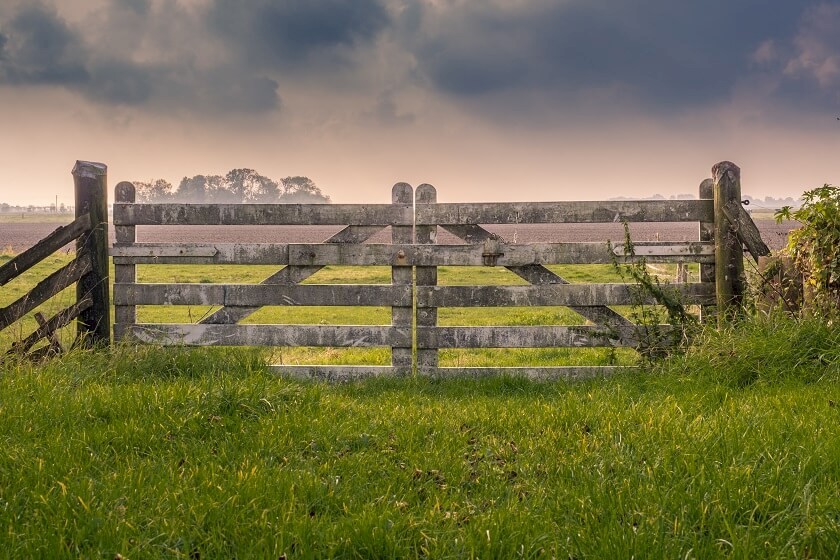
49,327
426,276
538,274
339,374
577,295
265,335
402,314
292,274
44,248
263,214
564,212
125,272
91,189
729,255
253,295
745,229
568,373
45,289
548,336
406,254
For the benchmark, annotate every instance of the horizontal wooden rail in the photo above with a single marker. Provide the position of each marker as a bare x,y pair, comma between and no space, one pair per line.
564,212
45,289
254,295
567,373
578,295
575,336
371,254
128,214
49,327
338,373
44,248
265,335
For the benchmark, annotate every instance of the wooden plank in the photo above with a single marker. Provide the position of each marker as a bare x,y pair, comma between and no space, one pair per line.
729,254
427,355
249,295
265,335
564,212
706,231
45,289
44,248
745,229
574,336
566,373
578,295
201,253
125,273
48,328
336,374
54,344
292,274
402,357
537,274
263,214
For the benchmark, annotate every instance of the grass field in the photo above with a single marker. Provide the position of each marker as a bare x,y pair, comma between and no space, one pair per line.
36,218
732,450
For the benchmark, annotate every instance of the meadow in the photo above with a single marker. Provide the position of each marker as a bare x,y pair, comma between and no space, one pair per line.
730,450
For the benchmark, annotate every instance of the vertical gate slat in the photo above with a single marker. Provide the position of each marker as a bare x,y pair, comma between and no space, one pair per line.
125,273
427,358
401,357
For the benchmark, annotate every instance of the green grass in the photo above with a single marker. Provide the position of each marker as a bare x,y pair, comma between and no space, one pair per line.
730,451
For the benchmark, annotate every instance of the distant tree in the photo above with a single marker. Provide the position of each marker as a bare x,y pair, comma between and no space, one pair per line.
238,185
4,207
198,189
301,190
246,185
153,191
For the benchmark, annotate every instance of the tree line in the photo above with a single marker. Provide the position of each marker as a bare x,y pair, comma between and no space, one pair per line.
238,185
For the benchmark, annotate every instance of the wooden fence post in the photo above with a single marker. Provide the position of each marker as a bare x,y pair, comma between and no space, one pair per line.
124,273
401,357
707,233
729,254
91,183
427,358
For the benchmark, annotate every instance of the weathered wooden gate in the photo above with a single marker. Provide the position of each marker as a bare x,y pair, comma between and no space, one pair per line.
605,326
300,261
414,336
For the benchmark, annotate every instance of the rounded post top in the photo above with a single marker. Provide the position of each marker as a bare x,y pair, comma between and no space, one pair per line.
725,168
125,192
425,193
89,169
402,193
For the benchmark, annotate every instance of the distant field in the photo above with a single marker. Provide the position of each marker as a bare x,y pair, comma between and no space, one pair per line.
35,218
16,236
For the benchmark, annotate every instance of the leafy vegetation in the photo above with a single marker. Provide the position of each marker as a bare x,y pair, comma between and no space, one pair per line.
815,246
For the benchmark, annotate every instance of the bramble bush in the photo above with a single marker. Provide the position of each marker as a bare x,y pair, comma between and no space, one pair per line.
815,247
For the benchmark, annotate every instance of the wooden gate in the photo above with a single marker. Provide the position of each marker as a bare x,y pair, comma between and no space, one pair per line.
414,335
300,261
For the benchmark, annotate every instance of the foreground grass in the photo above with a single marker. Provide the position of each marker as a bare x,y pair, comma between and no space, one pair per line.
730,451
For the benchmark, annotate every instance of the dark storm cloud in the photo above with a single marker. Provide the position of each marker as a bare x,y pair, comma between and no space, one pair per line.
39,48
290,34
663,53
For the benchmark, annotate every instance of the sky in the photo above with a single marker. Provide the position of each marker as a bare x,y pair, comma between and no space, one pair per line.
488,100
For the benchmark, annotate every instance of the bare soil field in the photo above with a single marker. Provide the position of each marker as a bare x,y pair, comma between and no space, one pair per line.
16,237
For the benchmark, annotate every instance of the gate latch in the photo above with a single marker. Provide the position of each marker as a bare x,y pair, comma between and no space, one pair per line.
491,252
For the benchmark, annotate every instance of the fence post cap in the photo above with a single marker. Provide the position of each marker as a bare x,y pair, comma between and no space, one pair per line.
89,169
724,167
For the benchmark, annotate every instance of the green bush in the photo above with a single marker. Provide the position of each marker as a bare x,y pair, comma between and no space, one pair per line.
815,247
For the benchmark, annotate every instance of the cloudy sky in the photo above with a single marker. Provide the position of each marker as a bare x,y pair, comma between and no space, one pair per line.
485,99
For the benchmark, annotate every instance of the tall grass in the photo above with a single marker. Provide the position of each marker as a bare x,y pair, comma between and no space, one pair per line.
732,450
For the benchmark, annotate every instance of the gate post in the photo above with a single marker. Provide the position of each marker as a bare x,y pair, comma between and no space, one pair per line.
91,184
402,317
427,357
729,254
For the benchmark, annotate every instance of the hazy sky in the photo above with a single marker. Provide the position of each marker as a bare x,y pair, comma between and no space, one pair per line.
485,99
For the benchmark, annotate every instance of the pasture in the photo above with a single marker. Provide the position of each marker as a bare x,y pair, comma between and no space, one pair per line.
728,451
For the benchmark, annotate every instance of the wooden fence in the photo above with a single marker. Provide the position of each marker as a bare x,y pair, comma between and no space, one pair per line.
414,296
88,270
414,335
